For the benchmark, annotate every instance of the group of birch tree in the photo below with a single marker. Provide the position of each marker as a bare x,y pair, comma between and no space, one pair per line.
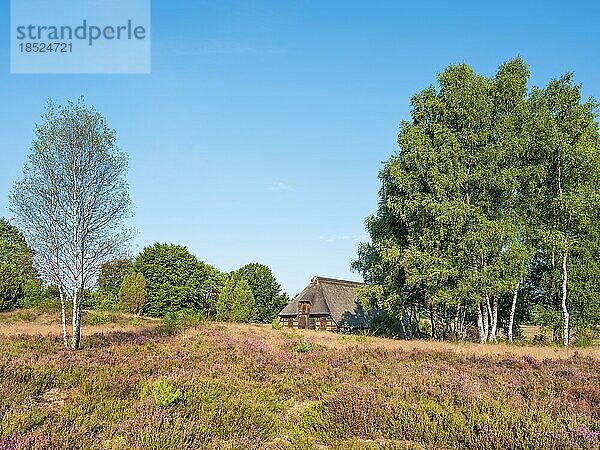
490,210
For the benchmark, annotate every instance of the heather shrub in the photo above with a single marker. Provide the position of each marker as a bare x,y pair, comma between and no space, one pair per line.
246,387
314,421
359,411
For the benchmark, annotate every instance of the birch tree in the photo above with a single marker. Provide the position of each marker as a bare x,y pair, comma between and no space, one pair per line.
568,151
444,224
71,204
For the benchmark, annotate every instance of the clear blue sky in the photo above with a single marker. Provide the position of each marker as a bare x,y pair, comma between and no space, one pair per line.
259,134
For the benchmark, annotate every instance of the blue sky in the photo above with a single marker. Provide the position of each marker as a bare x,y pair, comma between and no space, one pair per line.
260,132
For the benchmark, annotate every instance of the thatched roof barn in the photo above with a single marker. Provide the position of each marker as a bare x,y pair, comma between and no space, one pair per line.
326,304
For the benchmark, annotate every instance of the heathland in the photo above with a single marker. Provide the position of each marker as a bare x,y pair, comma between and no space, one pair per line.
152,384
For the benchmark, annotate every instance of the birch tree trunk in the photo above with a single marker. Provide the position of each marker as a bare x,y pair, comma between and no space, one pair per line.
513,307
564,301
480,325
63,317
493,317
486,319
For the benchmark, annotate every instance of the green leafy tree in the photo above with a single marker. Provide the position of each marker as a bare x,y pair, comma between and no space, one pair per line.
567,205
111,276
492,200
236,302
176,280
266,291
11,287
132,293
16,266
440,237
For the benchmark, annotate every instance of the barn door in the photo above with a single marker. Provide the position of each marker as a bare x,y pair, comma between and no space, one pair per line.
303,318
302,321
323,324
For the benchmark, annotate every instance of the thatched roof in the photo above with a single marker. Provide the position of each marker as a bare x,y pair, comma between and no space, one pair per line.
328,296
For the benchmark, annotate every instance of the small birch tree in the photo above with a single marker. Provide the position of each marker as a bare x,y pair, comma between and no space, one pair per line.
71,203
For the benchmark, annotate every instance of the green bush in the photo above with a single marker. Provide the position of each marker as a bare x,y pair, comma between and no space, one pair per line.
95,317
33,294
11,287
276,325
303,347
163,393
177,321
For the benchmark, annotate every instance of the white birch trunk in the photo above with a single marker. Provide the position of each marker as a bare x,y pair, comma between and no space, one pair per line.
513,307
480,325
74,320
63,317
487,313
564,301
494,320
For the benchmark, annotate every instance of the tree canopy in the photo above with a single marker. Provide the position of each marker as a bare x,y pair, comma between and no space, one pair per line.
176,280
16,265
491,182
265,289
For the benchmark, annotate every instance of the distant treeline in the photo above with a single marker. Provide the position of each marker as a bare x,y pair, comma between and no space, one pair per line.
161,279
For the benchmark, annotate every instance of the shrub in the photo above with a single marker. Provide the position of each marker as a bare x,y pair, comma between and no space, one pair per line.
33,294
163,393
11,287
94,317
276,325
303,347
176,321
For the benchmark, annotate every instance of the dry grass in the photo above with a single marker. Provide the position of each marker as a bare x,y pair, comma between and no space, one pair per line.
343,342
47,323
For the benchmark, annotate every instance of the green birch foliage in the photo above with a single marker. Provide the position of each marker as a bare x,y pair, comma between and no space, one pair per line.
442,227
567,205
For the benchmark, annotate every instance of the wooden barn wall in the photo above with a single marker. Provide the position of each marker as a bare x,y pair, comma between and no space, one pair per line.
294,323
